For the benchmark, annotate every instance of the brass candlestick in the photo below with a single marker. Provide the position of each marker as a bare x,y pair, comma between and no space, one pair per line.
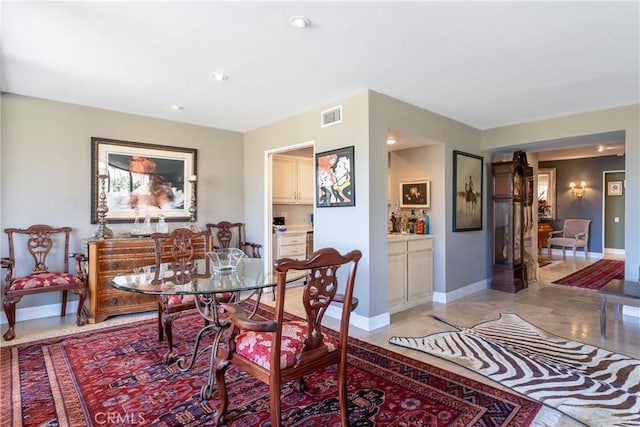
102,232
193,208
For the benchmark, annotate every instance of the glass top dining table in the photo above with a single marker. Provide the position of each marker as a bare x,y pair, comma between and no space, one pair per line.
244,283
201,278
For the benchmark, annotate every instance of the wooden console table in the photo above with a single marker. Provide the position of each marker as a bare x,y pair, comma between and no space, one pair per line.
108,258
617,292
544,228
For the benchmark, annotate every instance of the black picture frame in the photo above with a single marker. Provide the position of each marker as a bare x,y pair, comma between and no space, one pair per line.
155,179
335,178
467,199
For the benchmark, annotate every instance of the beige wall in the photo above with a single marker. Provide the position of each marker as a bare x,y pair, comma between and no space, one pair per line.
344,228
625,119
45,163
450,249
47,142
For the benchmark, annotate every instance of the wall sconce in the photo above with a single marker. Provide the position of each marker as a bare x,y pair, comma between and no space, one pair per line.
578,193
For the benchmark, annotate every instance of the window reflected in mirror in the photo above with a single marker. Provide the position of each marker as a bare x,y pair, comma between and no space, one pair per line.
547,193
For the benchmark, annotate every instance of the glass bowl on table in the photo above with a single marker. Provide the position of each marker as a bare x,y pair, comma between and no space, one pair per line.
225,260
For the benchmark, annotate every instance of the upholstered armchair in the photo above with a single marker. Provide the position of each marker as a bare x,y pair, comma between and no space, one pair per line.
277,351
574,235
48,247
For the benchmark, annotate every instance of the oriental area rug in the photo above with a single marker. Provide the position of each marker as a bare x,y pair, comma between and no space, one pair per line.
117,376
594,276
591,384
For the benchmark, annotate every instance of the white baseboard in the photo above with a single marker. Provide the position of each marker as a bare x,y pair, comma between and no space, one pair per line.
447,297
569,253
614,251
40,311
365,323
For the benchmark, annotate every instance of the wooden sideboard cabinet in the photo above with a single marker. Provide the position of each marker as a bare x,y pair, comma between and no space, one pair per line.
106,259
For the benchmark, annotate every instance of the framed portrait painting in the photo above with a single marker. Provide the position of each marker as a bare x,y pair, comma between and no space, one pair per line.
335,178
467,191
142,178
415,193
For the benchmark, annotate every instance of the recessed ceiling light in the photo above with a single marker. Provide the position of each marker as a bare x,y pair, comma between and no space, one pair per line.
176,107
391,141
219,76
299,22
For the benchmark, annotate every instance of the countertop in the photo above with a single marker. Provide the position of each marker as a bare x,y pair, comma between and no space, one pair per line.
295,229
407,236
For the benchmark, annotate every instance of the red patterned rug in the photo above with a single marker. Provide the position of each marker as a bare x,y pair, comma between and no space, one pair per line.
594,276
117,376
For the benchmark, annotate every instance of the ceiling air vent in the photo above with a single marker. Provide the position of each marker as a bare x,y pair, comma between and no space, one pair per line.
331,116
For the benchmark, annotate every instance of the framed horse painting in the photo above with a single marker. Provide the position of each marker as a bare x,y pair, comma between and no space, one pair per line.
142,179
467,191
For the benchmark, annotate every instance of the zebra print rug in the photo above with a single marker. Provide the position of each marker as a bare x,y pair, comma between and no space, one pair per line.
593,385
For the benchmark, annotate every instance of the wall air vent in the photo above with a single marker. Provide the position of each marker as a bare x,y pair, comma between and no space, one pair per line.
331,116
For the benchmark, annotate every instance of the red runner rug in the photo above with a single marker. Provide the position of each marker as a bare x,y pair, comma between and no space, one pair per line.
116,376
594,276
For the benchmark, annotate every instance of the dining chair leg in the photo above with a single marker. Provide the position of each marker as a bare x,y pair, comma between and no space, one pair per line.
276,410
63,312
80,319
223,396
160,328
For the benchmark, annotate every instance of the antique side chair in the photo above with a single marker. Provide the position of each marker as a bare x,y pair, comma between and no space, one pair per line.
227,234
180,248
49,248
277,351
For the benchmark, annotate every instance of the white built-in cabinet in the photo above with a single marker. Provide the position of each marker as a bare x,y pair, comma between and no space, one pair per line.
410,273
292,182
290,245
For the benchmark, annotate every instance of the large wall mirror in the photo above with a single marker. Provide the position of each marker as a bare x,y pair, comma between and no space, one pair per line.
547,193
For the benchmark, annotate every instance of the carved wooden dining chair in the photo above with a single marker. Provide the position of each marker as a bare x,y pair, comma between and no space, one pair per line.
227,234
49,248
181,248
278,350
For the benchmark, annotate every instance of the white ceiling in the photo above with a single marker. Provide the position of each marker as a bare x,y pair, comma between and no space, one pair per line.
486,64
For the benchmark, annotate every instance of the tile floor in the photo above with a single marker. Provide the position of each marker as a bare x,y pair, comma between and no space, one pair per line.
569,312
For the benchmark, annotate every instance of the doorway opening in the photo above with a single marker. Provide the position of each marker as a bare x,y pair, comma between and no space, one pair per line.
613,219
296,212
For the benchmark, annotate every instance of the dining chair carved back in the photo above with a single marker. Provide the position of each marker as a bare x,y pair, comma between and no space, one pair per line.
278,350
227,235
176,251
48,248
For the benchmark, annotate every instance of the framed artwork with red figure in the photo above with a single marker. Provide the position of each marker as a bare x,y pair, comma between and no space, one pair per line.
142,179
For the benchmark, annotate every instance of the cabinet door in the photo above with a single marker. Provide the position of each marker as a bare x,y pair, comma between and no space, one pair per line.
397,279
284,182
396,275
419,268
305,181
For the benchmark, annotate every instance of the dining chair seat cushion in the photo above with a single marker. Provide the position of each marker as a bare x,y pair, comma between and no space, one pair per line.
44,280
172,300
256,346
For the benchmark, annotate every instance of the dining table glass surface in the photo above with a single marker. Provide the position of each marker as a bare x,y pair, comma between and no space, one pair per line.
200,278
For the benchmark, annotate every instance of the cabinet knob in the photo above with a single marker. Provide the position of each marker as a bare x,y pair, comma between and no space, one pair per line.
114,265
113,301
